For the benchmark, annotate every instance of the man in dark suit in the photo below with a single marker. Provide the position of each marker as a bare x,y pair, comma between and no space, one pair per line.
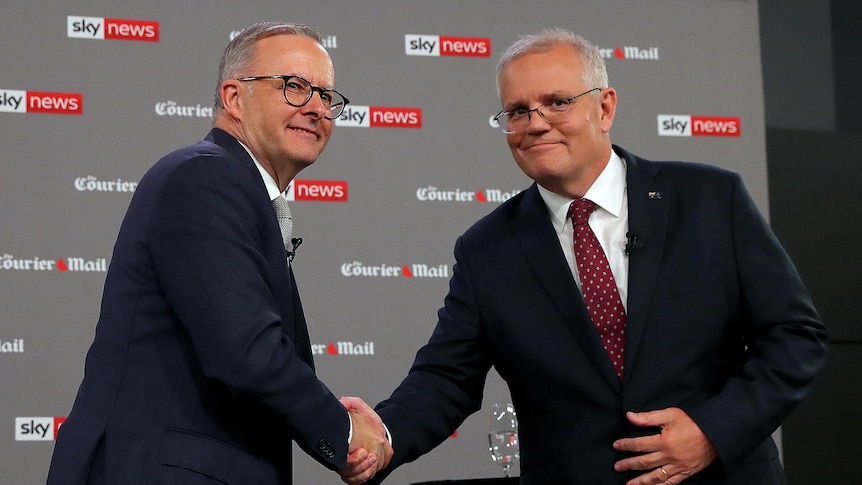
201,369
719,338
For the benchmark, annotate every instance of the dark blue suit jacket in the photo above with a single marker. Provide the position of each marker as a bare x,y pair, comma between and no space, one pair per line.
201,368
719,325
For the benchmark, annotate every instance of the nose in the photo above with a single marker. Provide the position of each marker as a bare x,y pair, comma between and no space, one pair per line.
315,105
537,123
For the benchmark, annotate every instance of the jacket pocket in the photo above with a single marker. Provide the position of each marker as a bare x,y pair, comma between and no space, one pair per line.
215,459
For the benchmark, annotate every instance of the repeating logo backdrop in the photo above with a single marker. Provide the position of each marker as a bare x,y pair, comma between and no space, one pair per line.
81,121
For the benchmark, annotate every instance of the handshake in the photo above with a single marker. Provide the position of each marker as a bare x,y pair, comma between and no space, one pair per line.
369,450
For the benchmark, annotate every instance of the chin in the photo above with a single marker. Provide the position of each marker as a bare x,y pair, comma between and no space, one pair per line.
306,156
302,163
540,170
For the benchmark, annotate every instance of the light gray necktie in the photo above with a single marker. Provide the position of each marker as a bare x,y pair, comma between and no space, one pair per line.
285,221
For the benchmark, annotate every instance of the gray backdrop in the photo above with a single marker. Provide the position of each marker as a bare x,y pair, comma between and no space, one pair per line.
82,119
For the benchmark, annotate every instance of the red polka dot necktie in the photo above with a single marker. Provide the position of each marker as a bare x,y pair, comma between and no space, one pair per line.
598,285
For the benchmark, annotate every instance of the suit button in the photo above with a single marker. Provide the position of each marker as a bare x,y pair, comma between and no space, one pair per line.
326,448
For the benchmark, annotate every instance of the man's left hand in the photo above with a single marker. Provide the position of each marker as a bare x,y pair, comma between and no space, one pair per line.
677,453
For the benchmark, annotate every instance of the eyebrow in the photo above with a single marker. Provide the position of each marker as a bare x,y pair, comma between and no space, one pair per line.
542,100
326,87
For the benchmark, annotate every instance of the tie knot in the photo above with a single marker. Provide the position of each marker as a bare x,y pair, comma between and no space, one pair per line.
580,210
282,211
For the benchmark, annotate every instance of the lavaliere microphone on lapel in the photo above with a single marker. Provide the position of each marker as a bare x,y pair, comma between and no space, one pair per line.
632,242
294,245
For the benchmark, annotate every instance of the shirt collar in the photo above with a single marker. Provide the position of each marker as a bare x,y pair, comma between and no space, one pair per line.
268,181
607,192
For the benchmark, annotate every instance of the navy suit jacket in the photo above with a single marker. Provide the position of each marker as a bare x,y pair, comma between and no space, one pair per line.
201,370
719,325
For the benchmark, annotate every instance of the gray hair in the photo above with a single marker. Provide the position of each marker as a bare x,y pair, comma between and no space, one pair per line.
594,75
239,52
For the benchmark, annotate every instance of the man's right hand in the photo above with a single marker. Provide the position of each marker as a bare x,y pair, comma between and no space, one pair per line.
369,450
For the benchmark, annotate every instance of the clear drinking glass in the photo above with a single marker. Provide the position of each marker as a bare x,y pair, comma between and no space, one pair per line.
503,436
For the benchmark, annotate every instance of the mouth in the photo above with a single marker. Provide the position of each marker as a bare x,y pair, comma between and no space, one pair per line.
540,145
304,131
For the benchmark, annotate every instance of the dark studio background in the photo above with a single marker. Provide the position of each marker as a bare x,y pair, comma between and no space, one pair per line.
812,81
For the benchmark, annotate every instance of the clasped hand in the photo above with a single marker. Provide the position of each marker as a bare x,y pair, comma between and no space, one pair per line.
369,450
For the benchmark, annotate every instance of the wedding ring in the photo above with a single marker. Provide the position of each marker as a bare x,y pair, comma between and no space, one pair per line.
666,476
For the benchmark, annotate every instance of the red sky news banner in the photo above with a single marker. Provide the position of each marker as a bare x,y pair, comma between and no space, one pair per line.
690,125
99,28
19,101
318,190
380,117
37,428
443,45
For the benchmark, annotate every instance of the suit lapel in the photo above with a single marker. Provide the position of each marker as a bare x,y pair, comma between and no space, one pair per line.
541,247
302,341
290,306
648,218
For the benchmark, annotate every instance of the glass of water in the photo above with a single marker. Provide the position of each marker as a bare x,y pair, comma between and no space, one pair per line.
503,436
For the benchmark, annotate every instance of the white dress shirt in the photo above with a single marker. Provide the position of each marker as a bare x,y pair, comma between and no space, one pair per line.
609,221
268,180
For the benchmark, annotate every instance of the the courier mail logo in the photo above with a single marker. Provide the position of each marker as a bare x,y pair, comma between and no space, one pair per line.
79,27
440,45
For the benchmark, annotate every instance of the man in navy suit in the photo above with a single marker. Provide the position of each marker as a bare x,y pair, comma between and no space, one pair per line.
721,340
201,369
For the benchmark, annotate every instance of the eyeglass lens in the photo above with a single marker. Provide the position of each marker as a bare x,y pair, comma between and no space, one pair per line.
298,92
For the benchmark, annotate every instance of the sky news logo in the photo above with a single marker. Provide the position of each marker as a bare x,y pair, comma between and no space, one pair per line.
380,117
690,125
99,28
440,45
318,190
37,429
18,101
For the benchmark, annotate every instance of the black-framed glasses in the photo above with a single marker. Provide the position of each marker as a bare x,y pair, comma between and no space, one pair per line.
298,92
554,111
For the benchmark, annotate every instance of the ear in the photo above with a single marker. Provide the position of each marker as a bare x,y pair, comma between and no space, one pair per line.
608,102
230,97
